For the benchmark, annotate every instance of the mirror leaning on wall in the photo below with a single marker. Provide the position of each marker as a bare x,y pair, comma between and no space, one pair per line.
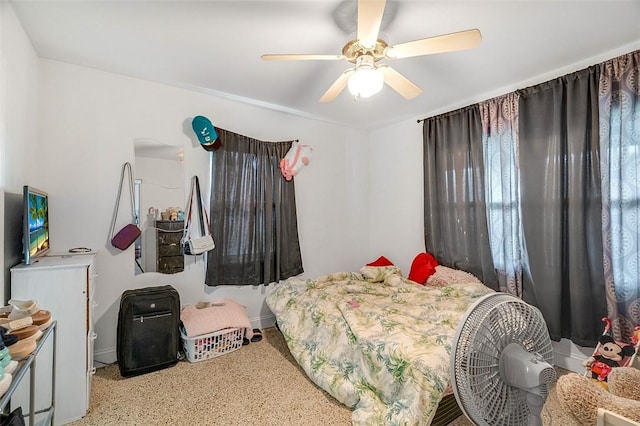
159,198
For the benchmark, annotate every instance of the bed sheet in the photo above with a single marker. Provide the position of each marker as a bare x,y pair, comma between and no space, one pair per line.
377,342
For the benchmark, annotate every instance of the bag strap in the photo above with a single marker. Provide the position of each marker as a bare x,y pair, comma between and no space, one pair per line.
204,217
126,167
187,223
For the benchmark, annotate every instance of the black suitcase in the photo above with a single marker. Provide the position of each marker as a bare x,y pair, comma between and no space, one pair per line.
148,330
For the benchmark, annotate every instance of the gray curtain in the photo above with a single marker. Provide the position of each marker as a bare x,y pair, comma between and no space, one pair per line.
455,220
561,205
253,214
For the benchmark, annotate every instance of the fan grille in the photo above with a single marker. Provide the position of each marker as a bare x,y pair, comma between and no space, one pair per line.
492,323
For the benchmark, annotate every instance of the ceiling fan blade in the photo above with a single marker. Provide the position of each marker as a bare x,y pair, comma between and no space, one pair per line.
337,86
399,83
301,57
439,44
369,18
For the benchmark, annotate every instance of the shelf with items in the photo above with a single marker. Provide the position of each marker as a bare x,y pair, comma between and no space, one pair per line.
169,256
65,285
28,364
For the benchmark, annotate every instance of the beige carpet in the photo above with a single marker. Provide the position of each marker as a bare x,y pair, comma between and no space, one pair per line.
258,384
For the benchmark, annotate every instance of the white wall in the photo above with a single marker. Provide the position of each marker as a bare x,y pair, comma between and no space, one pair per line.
90,120
396,197
19,117
162,186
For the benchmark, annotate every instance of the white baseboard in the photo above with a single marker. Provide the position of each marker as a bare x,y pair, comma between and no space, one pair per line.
565,354
108,356
263,322
104,357
569,356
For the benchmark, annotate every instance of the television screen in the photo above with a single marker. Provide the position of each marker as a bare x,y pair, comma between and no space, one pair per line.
36,223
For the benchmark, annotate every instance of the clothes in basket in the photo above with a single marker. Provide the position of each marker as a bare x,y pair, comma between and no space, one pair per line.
215,315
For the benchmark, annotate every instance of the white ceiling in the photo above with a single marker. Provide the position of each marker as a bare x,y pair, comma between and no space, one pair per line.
215,46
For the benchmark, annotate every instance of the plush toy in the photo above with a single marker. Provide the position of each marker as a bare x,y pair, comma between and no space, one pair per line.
582,396
609,355
296,158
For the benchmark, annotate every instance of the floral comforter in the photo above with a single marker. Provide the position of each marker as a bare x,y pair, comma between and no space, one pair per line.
376,341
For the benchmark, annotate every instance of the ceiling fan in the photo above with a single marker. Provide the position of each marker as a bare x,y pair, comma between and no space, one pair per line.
368,76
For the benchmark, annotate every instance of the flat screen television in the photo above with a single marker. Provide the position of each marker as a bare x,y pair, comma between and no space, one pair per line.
35,234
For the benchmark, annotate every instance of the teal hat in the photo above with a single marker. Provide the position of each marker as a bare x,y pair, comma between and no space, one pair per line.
206,133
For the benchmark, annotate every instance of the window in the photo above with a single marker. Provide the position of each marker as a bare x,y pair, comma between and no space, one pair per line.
253,214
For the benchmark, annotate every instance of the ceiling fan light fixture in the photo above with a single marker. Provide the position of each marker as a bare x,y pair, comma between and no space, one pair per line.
366,81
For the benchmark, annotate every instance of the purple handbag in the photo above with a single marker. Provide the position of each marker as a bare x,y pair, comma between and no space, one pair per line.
126,236
130,232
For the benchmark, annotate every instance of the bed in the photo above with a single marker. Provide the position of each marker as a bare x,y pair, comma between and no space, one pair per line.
376,341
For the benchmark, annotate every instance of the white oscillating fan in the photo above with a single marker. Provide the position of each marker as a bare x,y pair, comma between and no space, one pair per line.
501,362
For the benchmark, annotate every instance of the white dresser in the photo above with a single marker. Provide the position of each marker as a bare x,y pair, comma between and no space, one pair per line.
63,285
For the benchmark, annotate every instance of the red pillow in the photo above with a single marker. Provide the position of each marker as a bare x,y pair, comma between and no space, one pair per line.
381,261
422,267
